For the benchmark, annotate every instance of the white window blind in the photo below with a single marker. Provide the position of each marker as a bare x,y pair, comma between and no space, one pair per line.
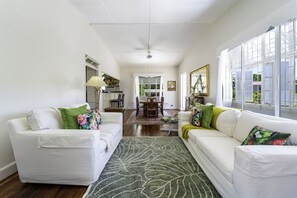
288,65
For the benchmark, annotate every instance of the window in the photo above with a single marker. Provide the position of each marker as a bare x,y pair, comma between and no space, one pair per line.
250,72
258,62
150,86
251,68
234,74
288,65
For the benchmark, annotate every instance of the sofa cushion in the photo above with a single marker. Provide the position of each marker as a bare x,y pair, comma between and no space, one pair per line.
227,121
69,116
248,120
47,118
260,135
216,112
220,151
194,133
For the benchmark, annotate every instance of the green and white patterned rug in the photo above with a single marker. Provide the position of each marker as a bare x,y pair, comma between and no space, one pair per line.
152,167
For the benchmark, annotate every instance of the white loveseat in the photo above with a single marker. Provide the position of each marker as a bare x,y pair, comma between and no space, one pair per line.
63,156
245,171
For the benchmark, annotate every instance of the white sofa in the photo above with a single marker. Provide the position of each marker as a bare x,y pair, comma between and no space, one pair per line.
63,156
245,171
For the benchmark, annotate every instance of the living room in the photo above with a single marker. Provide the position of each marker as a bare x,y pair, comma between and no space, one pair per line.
44,43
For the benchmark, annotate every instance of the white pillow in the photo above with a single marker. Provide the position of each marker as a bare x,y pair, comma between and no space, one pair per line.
248,120
227,121
47,118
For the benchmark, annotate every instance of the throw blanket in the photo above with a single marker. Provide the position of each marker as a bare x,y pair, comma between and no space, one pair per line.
186,128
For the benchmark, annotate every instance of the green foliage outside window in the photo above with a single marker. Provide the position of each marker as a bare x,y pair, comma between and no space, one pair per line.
257,97
233,88
256,94
257,77
142,90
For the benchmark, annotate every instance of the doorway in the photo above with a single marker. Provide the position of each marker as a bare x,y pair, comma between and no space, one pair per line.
91,70
183,90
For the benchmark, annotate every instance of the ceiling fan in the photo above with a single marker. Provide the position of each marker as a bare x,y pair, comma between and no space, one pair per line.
148,48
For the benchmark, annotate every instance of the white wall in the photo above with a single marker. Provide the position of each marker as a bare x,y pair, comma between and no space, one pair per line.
127,81
42,48
246,19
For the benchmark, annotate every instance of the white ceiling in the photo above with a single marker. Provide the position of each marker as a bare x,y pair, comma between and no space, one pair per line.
123,25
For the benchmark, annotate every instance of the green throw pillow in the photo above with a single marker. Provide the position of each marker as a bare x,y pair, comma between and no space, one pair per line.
216,112
69,116
207,115
261,136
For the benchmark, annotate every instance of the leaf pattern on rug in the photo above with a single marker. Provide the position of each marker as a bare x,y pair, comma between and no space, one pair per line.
152,167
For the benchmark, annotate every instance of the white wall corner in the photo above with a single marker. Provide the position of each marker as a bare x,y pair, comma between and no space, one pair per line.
8,170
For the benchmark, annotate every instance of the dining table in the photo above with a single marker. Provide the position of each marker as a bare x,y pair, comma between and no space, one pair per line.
144,102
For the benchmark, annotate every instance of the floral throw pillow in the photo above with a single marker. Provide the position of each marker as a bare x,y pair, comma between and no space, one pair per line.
196,117
261,136
90,120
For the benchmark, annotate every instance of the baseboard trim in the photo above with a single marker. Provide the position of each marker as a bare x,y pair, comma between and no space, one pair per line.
8,170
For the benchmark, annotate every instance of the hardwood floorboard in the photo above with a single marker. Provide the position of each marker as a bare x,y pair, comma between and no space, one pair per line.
12,187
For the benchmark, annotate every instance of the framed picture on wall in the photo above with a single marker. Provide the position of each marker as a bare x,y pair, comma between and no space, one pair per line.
171,85
199,81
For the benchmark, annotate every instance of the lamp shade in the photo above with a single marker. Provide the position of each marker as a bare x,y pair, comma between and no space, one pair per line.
96,81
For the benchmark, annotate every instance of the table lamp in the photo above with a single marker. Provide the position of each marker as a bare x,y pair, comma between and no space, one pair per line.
97,83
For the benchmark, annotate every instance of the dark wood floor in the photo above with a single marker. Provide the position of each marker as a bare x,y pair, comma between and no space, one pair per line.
12,186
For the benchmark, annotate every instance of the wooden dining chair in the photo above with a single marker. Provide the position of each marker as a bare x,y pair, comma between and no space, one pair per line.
121,100
152,107
138,106
115,102
161,106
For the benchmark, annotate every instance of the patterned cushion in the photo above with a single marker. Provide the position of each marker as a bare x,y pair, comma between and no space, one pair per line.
196,117
90,120
259,135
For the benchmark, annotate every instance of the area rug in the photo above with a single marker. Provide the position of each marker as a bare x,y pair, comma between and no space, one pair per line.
152,167
139,119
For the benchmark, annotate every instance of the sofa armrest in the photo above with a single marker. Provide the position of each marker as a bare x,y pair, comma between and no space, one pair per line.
56,138
56,155
112,118
184,115
265,171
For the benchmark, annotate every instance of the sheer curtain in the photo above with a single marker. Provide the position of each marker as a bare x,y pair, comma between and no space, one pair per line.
161,87
136,89
223,82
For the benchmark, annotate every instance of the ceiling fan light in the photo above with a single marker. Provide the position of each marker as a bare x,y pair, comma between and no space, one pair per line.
149,56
